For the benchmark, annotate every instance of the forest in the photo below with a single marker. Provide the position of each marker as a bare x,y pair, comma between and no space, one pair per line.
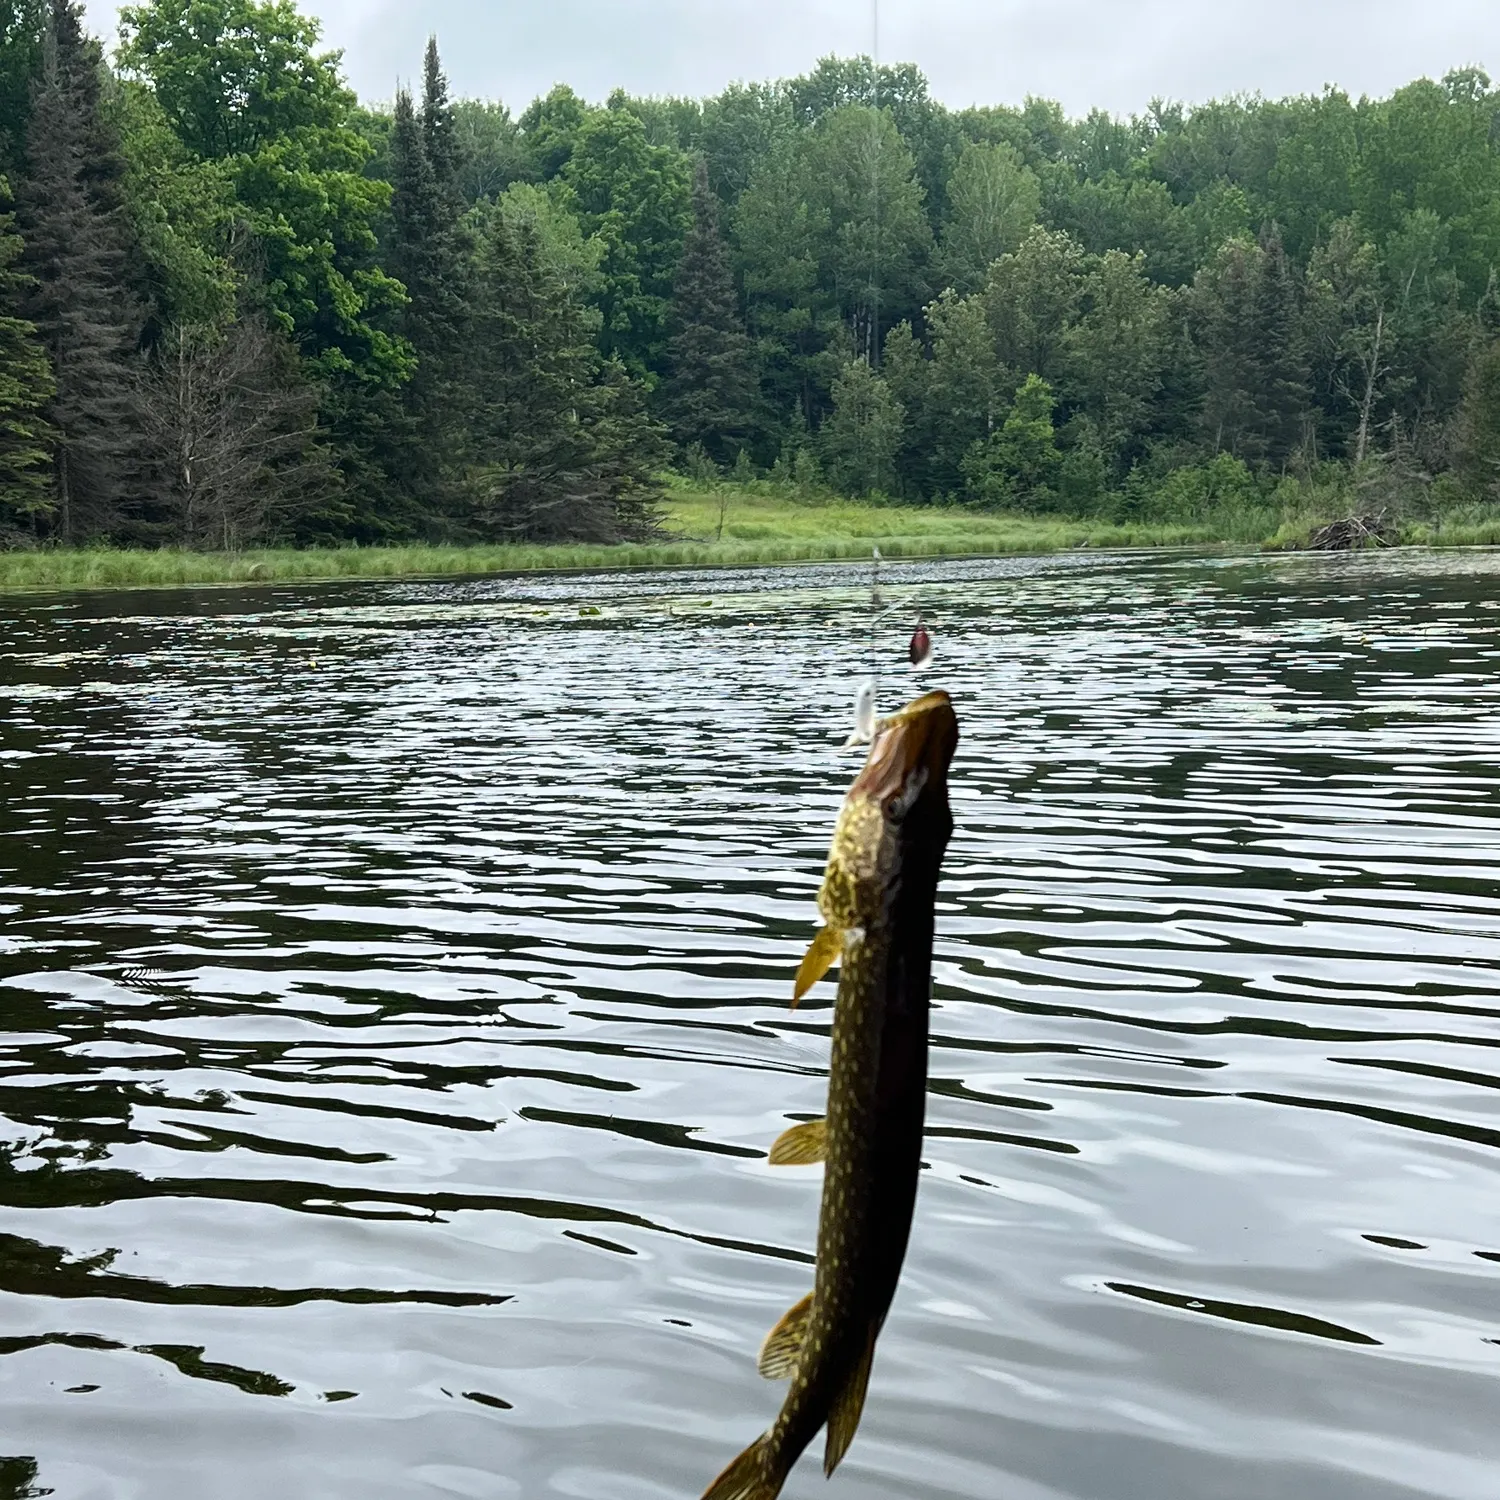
237,305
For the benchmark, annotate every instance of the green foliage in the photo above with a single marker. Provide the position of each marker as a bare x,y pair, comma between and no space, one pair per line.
491,155
790,312
185,217
1068,311
635,198
549,129
1351,334
240,83
1018,467
21,25
1131,214
1192,492
1431,147
234,76
961,400
862,434
1032,297
570,255
1258,388
875,240
993,199
1116,351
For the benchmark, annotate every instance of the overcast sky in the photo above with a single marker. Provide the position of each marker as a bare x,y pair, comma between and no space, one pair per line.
1118,54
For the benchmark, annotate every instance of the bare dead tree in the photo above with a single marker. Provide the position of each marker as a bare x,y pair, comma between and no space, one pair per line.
233,435
1366,348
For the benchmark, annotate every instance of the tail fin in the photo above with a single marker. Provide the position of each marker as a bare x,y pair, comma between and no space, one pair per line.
749,1477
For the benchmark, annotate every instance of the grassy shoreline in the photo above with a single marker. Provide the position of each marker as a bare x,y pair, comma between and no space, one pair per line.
756,529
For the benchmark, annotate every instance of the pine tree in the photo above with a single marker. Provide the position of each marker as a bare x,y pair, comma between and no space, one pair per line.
562,444
427,251
1479,426
407,454
439,123
1284,395
78,254
1250,335
26,386
709,395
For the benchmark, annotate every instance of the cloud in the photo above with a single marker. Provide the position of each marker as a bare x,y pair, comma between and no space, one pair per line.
1090,52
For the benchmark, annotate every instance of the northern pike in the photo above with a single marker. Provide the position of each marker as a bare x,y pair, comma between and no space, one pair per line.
877,902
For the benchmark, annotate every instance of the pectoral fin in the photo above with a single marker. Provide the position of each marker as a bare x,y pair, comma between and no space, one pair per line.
819,959
843,1420
783,1346
802,1145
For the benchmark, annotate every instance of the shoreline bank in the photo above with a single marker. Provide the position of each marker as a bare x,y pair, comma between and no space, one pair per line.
749,531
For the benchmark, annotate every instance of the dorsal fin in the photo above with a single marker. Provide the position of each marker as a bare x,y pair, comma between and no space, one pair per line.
802,1145
783,1346
843,1420
818,960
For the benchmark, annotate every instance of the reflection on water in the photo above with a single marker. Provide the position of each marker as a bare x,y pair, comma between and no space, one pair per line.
392,1019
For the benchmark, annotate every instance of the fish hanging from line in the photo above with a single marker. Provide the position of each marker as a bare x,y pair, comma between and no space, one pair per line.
877,903
921,649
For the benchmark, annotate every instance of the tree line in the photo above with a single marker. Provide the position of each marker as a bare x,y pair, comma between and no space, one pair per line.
237,305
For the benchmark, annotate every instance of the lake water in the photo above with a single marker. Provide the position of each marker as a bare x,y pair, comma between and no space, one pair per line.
393,1021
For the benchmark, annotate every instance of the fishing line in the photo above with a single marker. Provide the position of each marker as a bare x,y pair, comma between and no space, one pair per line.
867,698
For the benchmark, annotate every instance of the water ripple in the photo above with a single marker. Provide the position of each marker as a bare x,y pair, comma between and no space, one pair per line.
393,1020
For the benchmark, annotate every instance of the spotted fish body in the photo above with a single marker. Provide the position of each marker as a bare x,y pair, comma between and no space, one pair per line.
877,903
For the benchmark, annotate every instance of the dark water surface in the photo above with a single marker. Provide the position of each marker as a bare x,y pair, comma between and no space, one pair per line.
393,1021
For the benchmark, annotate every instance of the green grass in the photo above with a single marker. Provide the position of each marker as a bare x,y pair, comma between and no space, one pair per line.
757,528
1465,526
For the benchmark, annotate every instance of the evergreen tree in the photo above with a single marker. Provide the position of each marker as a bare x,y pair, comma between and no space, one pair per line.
1281,366
26,385
561,444
439,124
792,314
1479,427
78,253
1250,333
1032,298
1223,301
709,395
420,434
952,400
876,239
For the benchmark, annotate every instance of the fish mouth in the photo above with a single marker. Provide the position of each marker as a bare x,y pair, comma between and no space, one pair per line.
910,754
